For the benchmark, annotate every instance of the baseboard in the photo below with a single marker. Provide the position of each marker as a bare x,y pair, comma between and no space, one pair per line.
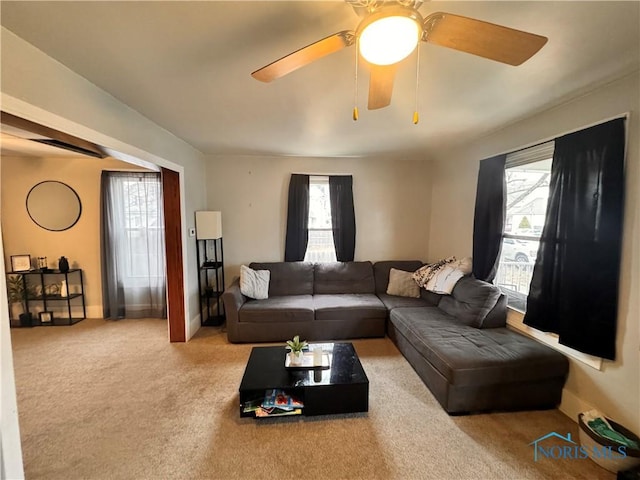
94,311
194,326
571,405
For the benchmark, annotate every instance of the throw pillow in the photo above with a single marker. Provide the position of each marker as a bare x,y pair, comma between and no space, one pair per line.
254,283
402,284
466,265
426,273
444,280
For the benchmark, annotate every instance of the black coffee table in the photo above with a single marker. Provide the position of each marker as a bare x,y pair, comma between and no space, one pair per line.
341,388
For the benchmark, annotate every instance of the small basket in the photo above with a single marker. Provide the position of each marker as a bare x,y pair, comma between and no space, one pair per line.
589,440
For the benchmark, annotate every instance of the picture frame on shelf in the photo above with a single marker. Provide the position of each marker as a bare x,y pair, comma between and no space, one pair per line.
46,317
20,263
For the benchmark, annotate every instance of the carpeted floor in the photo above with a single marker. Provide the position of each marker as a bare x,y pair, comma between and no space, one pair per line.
115,400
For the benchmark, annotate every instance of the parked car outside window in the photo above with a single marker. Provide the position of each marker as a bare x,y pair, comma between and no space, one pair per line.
524,251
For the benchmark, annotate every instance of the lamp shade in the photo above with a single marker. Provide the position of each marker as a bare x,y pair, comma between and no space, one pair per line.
389,39
208,225
389,34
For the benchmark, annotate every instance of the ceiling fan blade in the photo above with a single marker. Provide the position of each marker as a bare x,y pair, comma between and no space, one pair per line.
488,40
381,85
305,56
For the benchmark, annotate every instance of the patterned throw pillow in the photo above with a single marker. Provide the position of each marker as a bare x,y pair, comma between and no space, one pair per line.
426,273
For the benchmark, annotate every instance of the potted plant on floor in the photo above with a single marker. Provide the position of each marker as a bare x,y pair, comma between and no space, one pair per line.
17,293
296,346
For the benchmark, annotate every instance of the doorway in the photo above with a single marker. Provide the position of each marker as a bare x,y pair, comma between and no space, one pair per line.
172,221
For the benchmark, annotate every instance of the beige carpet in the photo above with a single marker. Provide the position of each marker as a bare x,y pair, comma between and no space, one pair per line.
115,400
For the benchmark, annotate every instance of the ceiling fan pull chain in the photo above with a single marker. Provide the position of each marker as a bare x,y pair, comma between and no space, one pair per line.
355,100
416,116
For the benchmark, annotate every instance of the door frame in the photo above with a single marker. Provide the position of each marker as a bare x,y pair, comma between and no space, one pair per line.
177,301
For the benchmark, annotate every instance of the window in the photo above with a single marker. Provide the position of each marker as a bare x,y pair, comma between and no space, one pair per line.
143,235
527,187
133,254
320,247
321,222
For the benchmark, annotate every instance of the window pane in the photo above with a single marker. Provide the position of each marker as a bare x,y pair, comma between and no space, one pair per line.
515,270
527,193
319,206
320,247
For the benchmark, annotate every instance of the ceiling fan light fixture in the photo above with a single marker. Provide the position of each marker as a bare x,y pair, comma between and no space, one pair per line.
389,36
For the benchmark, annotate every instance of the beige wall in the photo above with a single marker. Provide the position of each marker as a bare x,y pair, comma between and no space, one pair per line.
391,197
616,388
81,243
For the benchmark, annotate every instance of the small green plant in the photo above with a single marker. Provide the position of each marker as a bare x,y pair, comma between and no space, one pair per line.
16,292
295,345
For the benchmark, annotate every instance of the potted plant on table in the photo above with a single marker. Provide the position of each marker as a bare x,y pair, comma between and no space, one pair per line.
17,293
296,346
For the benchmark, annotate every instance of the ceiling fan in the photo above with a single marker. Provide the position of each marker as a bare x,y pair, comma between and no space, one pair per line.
390,31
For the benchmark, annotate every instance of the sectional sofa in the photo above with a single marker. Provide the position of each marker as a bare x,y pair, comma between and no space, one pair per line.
458,344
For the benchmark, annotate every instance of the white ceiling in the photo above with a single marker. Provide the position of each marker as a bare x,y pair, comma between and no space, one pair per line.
186,66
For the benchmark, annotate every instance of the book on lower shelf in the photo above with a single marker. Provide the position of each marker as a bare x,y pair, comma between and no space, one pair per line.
276,402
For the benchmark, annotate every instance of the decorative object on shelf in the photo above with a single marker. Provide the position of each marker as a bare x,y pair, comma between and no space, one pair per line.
296,354
18,291
64,289
43,264
52,289
63,265
46,317
54,205
20,263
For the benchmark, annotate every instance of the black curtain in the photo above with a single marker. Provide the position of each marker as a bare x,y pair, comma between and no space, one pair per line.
488,222
574,289
297,219
343,217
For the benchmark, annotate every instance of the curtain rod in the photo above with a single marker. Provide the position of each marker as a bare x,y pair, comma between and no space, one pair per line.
625,115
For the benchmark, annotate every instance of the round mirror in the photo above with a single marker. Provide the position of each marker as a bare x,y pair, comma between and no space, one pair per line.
54,205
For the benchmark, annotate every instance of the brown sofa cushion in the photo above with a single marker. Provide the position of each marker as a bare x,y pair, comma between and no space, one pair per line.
288,278
343,277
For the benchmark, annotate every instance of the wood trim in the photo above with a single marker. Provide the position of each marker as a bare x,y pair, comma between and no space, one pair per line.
56,136
173,248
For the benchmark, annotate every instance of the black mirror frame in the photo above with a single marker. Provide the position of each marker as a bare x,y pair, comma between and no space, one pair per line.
52,229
